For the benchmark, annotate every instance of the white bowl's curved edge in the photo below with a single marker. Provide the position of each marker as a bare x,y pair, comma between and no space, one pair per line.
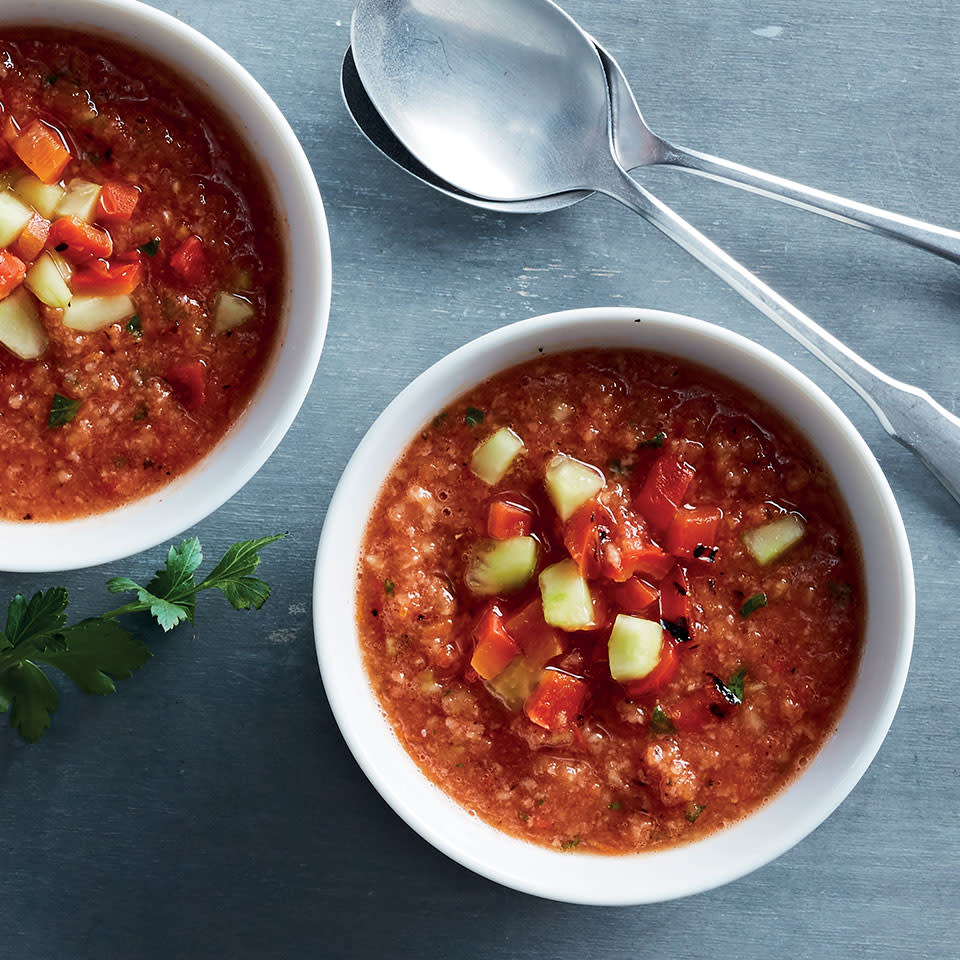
107,537
551,876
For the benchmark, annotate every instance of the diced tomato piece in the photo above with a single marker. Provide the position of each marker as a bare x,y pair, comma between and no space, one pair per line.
647,560
43,150
189,382
538,640
32,239
105,278
660,675
189,260
589,538
557,700
508,519
12,272
80,241
675,605
495,648
663,490
696,527
118,200
635,595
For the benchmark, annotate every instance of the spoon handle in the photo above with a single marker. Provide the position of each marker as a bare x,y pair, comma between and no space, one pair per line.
927,236
908,414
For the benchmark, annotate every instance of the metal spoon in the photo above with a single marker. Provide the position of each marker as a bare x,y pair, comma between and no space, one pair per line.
509,101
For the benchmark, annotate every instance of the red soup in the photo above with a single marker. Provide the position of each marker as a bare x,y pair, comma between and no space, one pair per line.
610,601
141,272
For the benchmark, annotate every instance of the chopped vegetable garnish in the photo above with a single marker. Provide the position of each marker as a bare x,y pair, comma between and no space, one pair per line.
134,327
772,540
755,602
389,587
654,441
693,811
493,457
62,410
660,723
43,151
150,248
473,417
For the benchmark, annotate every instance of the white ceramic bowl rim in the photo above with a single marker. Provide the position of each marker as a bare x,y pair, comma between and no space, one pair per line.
722,856
104,537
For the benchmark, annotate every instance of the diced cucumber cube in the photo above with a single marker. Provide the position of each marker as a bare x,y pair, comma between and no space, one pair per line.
634,647
773,539
43,197
21,331
501,566
565,595
493,457
80,200
571,483
14,215
516,682
231,311
47,280
89,313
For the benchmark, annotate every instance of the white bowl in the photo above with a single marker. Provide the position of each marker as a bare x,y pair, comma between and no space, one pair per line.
103,537
680,870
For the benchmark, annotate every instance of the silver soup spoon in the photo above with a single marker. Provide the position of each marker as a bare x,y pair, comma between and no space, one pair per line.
509,101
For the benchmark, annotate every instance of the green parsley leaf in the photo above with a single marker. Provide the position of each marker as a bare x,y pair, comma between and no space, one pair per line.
231,576
389,587
735,684
616,805
541,801
439,420
35,622
97,653
134,327
755,602
473,417
171,595
571,843
150,248
654,441
523,816
140,414
32,698
62,410
617,468
660,723
693,811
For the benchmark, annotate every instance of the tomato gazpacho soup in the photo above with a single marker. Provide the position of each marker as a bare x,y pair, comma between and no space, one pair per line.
141,274
610,601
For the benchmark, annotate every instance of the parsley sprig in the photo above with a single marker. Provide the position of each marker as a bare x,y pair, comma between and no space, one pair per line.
97,651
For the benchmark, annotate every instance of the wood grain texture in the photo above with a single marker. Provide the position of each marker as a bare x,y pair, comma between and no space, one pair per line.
212,809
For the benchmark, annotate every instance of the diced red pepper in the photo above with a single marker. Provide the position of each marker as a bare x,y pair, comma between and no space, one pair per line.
495,648
189,260
675,605
189,383
508,519
692,528
585,535
80,241
647,560
663,490
32,239
557,700
43,151
660,675
118,200
538,640
12,272
104,278
635,595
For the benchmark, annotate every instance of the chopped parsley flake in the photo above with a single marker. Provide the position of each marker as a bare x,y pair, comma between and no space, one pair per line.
439,420
389,587
62,410
571,843
473,417
755,602
654,441
660,723
150,248
694,811
133,326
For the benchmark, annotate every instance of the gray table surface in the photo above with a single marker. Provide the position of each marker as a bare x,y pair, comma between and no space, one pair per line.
211,809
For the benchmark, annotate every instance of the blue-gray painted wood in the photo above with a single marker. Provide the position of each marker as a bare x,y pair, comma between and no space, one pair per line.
211,808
